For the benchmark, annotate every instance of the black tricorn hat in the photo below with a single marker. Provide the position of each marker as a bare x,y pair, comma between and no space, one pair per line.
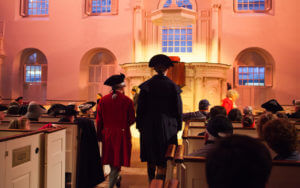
19,98
272,106
86,106
160,59
115,80
56,109
3,108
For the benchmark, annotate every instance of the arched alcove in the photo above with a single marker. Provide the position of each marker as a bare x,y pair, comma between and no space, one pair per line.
95,67
253,75
30,66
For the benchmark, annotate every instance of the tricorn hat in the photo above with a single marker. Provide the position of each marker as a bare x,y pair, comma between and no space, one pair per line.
56,109
86,106
115,80
19,98
272,106
160,59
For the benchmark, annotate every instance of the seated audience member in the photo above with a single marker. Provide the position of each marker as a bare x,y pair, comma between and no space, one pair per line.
2,114
86,109
135,94
272,106
235,115
296,114
238,162
248,118
218,127
281,136
217,110
248,121
262,120
20,123
34,111
229,102
14,107
201,114
69,114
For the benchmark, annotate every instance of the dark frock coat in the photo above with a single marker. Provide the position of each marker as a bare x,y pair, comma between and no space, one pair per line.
114,117
159,117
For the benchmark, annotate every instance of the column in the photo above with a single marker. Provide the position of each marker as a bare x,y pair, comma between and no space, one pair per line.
138,31
215,33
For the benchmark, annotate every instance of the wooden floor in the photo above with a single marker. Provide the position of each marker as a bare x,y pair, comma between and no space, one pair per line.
134,176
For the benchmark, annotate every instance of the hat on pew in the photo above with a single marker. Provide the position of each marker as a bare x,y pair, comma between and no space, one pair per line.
160,59
70,110
56,109
220,126
19,98
297,103
115,80
3,108
86,106
272,106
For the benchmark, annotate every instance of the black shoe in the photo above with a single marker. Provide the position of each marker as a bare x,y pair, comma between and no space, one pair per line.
118,183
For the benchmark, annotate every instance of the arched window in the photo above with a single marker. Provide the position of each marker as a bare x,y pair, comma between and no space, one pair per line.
177,39
34,75
101,67
252,5
34,7
254,67
101,7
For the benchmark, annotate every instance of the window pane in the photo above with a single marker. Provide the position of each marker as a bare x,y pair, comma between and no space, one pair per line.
251,76
38,7
245,5
173,37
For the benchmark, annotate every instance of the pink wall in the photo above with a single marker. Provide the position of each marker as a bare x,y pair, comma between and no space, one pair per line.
64,37
67,34
276,32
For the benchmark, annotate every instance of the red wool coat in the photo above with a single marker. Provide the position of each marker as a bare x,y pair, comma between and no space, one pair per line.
114,117
227,104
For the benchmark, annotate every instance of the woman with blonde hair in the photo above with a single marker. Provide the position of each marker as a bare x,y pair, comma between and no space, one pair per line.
229,102
21,123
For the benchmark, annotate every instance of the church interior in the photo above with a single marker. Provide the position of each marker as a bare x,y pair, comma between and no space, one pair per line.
62,52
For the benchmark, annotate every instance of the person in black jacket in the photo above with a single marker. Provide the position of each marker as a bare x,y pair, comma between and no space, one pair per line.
159,116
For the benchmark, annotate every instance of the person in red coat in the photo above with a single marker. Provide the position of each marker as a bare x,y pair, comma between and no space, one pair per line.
115,114
228,102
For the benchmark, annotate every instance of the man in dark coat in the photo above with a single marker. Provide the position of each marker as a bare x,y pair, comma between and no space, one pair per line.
159,116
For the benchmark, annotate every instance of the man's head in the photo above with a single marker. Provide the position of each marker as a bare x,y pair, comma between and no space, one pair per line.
34,110
238,161
160,63
235,115
219,126
2,109
217,110
281,136
203,105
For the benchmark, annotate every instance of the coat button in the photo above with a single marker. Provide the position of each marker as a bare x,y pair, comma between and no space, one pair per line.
123,130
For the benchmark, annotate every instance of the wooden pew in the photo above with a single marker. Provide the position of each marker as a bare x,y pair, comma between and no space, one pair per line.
71,145
32,159
191,172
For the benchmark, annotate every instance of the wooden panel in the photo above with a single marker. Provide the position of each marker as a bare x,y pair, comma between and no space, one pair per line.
2,164
24,174
55,147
